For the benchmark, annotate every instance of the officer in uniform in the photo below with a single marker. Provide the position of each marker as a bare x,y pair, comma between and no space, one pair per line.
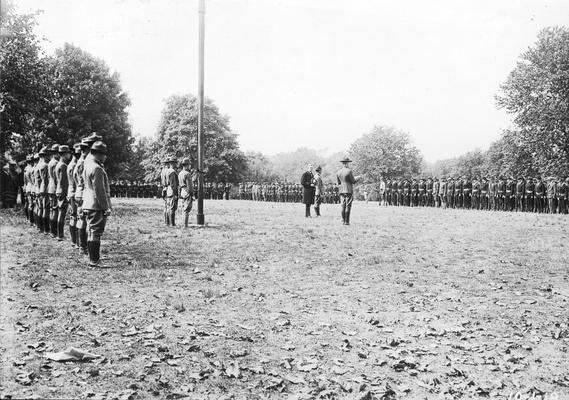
466,192
86,156
551,195
71,193
539,195
318,190
45,153
484,187
62,189
346,181
450,193
96,200
443,193
52,185
164,184
171,191
186,189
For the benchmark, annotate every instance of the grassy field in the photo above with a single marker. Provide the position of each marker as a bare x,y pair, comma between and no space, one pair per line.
404,303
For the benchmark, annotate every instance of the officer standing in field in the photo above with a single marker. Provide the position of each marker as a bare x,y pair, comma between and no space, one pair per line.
52,185
43,171
71,193
318,190
171,191
186,189
96,200
346,181
62,189
86,156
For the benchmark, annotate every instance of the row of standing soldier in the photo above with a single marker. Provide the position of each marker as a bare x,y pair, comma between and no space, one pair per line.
60,179
284,192
496,193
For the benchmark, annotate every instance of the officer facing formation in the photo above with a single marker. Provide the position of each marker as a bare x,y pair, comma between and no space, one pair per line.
186,189
170,191
346,182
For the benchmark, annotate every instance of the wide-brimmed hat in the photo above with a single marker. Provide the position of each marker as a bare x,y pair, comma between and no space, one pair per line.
171,159
99,147
186,161
64,149
77,147
318,169
94,137
346,160
44,151
85,143
54,148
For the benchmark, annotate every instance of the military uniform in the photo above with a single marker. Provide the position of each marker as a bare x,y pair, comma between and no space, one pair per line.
171,184
346,181
52,185
318,190
96,200
62,189
71,194
186,195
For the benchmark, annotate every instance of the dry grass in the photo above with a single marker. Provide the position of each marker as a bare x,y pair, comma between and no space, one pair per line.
420,303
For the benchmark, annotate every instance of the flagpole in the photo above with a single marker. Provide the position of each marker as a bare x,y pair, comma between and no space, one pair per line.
200,213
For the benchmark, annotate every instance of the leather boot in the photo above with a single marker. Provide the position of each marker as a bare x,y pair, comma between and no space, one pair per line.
77,238
83,240
72,234
307,212
347,218
186,218
46,226
53,227
343,217
60,229
167,218
173,219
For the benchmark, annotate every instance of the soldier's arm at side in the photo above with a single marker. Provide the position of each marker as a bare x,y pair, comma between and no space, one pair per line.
100,186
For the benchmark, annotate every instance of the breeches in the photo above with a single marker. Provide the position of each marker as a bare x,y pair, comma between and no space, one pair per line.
346,199
96,222
171,204
187,204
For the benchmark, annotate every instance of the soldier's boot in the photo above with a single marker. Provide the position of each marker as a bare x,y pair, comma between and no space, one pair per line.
307,211
72,235
77,237
186,219
347,218
167,218
94,250
53,227
83,240
46,225
173,218
60,230
317,210
343,217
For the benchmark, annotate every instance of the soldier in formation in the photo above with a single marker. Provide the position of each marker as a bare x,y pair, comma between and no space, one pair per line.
61,181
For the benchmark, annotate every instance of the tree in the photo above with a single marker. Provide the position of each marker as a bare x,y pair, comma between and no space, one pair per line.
177,136
259,168
537,93
24,90
385,152
88,98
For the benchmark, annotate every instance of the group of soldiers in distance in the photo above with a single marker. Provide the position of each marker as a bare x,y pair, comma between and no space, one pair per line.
145,190
283,192
537,195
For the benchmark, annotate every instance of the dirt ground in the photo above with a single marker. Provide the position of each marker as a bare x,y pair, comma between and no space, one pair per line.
404,303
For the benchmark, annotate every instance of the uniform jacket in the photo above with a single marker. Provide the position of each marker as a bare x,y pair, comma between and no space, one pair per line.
346,180
318,185
96,193
78,177
172,182
71,177
62,178
52,184
43,175
185,181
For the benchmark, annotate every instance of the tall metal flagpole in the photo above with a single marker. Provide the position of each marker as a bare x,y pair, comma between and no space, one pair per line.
200,214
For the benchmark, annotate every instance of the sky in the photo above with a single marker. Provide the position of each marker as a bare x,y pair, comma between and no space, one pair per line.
314,73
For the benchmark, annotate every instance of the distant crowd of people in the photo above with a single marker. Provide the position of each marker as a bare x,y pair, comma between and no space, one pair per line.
539,195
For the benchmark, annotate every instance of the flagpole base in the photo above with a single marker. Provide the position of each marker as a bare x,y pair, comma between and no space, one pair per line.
200,219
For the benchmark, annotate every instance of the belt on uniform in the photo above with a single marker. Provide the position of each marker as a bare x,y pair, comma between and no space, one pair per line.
508,191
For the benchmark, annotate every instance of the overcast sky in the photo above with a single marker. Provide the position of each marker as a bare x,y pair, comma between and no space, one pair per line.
315,73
